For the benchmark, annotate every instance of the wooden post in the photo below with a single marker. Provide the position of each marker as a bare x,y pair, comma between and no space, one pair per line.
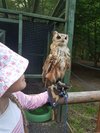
20,34
98,122
69,28
85,97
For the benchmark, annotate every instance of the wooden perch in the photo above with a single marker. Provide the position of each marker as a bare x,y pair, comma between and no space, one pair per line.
82,97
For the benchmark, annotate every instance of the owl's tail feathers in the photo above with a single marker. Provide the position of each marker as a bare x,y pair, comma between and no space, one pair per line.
47,83
49,79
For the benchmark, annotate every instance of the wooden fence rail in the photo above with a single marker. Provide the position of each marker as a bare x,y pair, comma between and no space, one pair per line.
84,97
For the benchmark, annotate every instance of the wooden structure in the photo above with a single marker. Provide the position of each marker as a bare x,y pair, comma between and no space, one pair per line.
85,97
98,122
82,97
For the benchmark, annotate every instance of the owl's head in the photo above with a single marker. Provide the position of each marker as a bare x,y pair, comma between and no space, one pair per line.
60,38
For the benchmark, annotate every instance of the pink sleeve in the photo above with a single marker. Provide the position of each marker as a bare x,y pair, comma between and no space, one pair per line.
32,101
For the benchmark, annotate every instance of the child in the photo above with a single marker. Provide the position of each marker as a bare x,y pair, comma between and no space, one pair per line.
12,100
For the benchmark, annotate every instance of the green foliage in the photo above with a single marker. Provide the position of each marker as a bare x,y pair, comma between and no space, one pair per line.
87,30
41,6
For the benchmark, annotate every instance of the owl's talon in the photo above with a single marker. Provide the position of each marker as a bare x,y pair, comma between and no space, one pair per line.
63,85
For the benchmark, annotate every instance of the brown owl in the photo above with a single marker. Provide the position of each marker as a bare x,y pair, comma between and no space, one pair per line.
58,61
55,66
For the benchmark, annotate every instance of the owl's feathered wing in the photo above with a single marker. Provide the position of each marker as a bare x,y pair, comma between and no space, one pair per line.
55,66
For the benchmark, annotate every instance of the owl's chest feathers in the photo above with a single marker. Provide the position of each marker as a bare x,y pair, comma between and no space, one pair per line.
61,52
62,55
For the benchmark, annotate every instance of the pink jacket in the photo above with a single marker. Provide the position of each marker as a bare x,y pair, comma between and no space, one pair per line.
32,101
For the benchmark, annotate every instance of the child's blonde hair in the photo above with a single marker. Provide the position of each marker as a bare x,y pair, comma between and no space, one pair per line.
25,122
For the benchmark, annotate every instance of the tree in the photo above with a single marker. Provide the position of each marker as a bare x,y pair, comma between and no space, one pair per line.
87,30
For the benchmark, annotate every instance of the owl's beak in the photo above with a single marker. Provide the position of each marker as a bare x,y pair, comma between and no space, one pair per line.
62,40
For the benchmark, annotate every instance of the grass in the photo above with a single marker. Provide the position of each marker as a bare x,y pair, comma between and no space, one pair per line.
82,117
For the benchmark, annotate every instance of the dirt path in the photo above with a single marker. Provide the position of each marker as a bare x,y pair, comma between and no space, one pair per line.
88,79
48,127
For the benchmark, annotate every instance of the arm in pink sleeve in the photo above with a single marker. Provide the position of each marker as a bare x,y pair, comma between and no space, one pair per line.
32,101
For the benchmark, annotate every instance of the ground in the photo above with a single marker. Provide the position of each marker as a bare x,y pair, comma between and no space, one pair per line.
47,127
85,78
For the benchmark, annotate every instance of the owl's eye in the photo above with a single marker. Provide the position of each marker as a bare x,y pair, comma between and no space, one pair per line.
66,37
58,37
